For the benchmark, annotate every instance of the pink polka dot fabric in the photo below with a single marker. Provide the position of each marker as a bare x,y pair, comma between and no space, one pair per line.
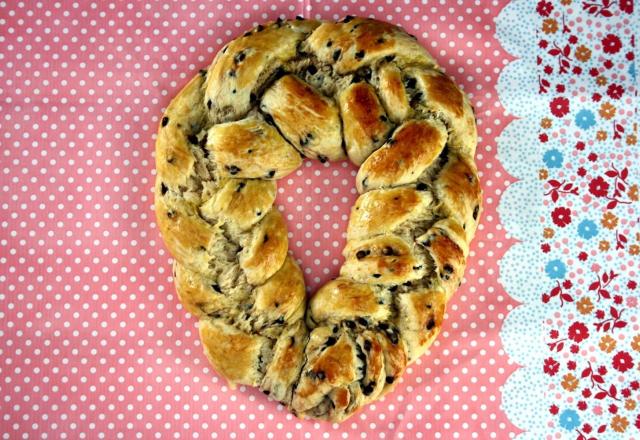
93,341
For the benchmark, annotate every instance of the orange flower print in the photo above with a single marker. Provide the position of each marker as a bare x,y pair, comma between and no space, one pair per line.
633,192
603,245
601,135
569,382
565,2
601,80
609,220
607,110
630,404
543,174
585,306
619,423
549,26
634,249
546,123
548,233
635,342
583,53
607,344
632,139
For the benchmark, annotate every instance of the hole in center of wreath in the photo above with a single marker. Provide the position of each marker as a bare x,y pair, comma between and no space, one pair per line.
316,201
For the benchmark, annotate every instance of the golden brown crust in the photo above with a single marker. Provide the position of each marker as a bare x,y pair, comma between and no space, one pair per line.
383,210
365,123
240,202
233,353
265,249
307,119
251,148
414,146
233,130
383,259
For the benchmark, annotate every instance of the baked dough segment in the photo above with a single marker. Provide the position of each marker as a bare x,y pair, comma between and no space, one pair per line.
414,146
345,300
384,259
284,369
306,118
240,203
458,188
443,97
365,123
251,148
419,320
241,68
264,249
238,356
358,42
384,210
393,93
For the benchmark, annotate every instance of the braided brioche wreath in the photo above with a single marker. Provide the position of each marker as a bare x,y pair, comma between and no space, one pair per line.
358,88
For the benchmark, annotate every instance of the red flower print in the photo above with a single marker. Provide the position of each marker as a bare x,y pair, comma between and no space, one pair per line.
635,385
544,8
596,97
548,70
580,145
626,392
582,256
573,39
582,405
587,428
543,44
632,285
560,88
608,64
622,361
586,393
626,6
613,409
610,44
553,334
574,348
615,91
559,106
551,366
602,370
553,409
577,70
630,56
617,299
582,172
578,332
543,137
598,187
545,248
571,365
594,72
592,157
561,216
567,284
600,314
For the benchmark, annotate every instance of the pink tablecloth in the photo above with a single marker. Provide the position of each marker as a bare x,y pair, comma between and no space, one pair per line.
93,341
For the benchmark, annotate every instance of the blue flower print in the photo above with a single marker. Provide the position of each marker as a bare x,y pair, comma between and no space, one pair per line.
587,229
632,70
585,119
555,269
569,419
552,158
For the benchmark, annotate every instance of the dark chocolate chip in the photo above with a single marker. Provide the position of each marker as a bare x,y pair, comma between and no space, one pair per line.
364,182
266,392
260,28
361,254
431,324
303,141
292,342
276,304
216,287
350,324
320,375
410,83
347,19
322,158
407,283
299,17
417,267
389,379
448,268
469,177
380,40
209,103
279,321
368,389
475,212
376,275
171,214
163,188
232,73
193,139
312,69
335,329
233,91
240,186
383,118
279,21
388,250
336,54
233,169
383,326
359,55
165,121
331,341
415,99
271,173
253,97
362,321
203,73
389,58
329,43
269,119
246,34
393,288
259,213
393,337
266,238
239,57
224,49
421,186
367,345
